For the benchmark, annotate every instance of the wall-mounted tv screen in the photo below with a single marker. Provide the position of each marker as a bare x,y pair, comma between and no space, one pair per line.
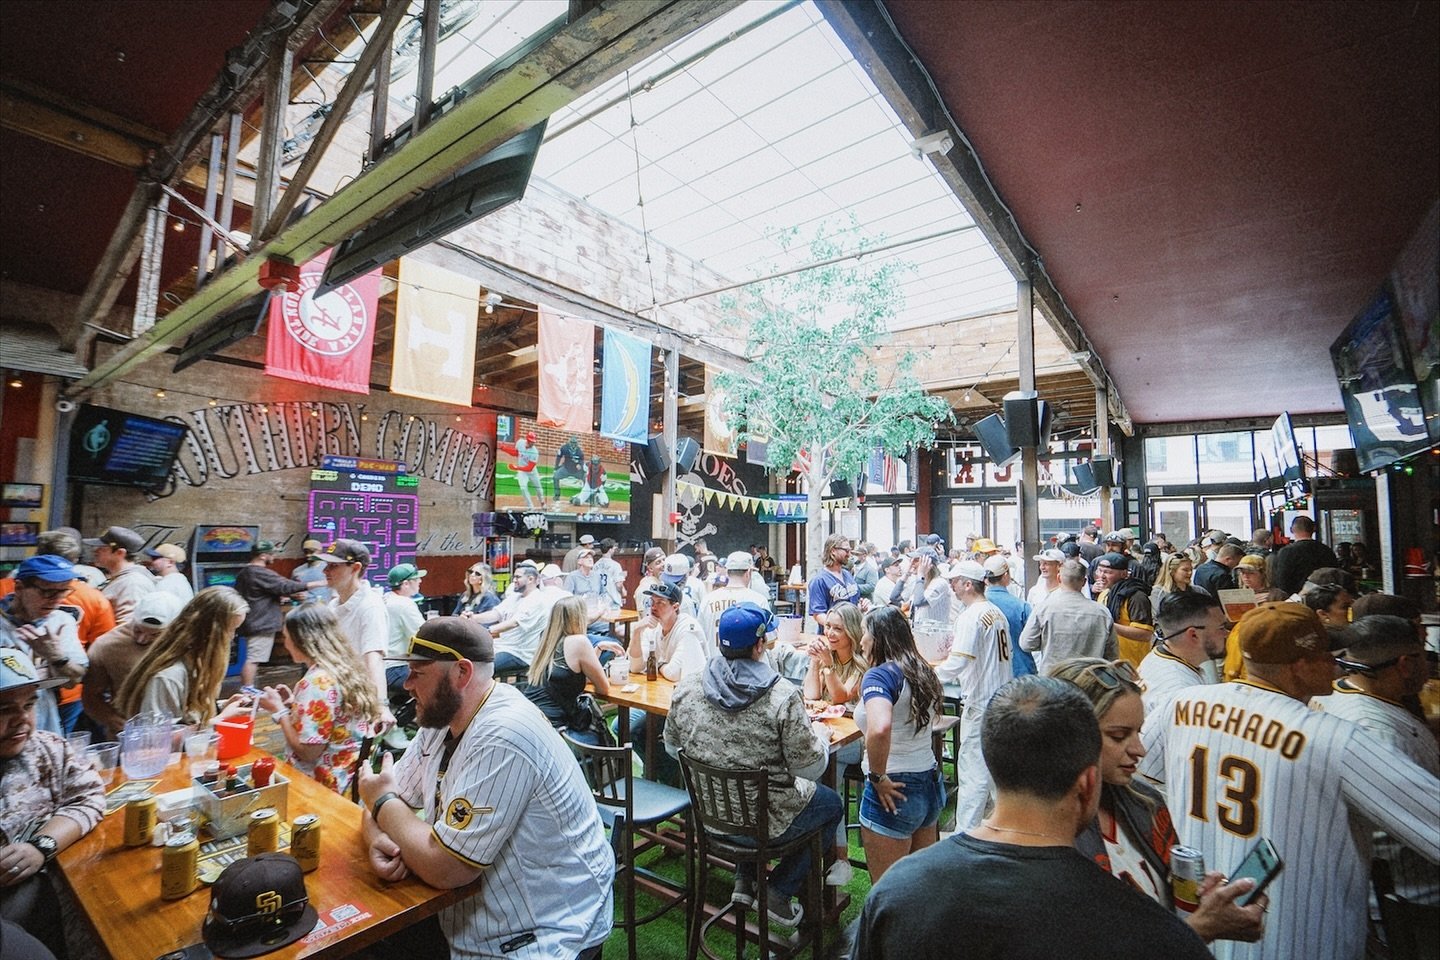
21,494
1382,401
123,449
1416,282
564,476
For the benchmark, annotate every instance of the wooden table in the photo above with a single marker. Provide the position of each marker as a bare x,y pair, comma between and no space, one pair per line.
118,887
654,696
623,619
795,593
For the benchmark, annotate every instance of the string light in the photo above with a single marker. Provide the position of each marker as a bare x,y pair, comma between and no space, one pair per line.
159,394
17,383
212,401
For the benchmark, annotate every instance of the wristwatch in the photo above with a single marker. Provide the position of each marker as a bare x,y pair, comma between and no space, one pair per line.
380,801
877,777
46,844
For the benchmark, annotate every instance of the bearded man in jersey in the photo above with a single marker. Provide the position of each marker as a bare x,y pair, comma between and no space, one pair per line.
1194,628
496,792
1250,759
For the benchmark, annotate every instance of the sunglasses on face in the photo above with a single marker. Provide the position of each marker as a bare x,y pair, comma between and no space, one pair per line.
52,594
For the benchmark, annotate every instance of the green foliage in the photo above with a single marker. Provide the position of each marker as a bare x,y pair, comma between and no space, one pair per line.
814,383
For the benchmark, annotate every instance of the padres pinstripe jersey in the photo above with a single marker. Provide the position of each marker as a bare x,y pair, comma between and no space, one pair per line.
1165,675
979,659
513,801
1386,720
1243,761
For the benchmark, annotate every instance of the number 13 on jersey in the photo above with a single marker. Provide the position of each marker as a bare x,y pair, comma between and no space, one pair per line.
1238,792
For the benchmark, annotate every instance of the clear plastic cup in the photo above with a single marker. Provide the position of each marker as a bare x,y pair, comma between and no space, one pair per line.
620,671
200,750
79,741
104,757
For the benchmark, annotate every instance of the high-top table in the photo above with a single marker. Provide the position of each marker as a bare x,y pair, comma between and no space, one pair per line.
118,887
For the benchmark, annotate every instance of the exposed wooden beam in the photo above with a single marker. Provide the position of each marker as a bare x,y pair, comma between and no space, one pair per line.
73,125
572,61
514,360
865,28
234,87
378,43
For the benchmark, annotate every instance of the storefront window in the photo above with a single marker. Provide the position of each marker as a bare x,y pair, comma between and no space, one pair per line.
905,523
1226,458
1170,460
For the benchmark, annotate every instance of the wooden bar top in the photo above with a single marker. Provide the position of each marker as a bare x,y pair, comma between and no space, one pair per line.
118,887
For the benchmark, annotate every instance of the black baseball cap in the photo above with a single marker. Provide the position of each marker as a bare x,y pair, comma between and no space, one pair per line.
257,905
122,537
1115,561
450,640
345,551
665,591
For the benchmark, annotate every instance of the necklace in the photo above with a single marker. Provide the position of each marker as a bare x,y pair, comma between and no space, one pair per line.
1024,833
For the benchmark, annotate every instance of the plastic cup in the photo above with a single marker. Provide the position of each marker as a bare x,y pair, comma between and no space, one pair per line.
104,757
200,750
620,671
79,741
234,738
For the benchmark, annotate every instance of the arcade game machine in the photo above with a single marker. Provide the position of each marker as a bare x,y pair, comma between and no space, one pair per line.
217,552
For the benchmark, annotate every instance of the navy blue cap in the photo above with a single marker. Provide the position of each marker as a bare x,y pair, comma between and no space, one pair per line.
743,625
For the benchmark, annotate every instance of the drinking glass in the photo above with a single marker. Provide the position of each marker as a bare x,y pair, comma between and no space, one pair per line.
103,757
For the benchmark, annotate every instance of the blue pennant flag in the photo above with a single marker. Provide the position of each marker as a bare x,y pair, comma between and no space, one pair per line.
625,388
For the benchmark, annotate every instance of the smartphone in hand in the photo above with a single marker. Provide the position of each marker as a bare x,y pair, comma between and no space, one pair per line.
1262,864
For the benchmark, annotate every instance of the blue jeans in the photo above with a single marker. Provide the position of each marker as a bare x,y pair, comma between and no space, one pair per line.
507,663
69,713
666,768
823,811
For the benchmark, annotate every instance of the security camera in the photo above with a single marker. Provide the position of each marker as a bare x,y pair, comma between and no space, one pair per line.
936,141
65,406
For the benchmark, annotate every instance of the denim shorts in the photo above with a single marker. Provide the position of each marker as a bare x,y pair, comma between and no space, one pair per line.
924,799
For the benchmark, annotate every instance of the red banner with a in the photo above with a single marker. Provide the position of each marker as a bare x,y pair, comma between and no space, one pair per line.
324,340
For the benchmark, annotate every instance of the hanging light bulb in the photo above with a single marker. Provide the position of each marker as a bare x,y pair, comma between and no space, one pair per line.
212,401
493,300
16,382
159,394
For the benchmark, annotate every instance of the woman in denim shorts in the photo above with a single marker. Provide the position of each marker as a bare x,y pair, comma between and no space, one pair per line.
899,698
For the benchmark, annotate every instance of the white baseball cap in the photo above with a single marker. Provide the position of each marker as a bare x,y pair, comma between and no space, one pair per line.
968,569
740,560
676,565
550,572
996,566
1052,555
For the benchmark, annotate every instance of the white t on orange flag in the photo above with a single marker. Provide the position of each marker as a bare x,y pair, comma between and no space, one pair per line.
435,315
567,372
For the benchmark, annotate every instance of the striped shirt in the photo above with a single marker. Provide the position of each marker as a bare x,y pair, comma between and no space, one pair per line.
513,801
1243,761
1164,675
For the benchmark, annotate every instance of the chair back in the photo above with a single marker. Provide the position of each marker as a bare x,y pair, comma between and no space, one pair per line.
607,770
733,802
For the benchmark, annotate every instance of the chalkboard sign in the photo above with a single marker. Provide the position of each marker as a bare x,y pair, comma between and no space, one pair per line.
123,449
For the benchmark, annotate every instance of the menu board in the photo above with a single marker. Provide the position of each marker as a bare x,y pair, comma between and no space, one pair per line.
123,449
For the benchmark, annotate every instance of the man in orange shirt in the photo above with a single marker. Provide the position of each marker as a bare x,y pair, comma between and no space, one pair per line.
90,608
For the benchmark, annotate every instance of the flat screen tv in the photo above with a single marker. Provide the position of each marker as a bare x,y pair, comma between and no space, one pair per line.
562,476
1382,401
1285,451
21,494
123,449
19,534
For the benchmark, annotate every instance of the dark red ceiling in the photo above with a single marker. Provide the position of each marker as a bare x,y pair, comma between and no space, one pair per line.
1245,173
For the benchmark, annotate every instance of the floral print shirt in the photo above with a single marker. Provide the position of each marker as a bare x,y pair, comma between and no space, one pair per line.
316,712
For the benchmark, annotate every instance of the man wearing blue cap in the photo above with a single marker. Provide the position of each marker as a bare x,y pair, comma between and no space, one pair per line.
739,714
32,622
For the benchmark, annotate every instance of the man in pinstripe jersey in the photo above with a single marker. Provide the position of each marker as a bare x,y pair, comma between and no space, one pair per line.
1249,759
499,797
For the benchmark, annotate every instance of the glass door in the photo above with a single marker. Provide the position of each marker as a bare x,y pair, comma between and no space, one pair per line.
1234,515
1175,518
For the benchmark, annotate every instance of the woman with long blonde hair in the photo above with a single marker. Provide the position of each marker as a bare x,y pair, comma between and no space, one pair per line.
180,674
333,708
836,668
563,662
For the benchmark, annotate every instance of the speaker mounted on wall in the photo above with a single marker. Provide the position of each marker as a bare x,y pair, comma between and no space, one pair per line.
1104,469
652,455
841,487
687,451
1027,419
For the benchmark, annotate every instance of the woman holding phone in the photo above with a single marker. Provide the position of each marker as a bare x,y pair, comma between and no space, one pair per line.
1132,833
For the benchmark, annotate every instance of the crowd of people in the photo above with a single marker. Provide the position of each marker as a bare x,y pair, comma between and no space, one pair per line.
1108,712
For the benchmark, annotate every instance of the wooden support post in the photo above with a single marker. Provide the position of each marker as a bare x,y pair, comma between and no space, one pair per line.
671,420
425,69
272,135
212,192
1102,445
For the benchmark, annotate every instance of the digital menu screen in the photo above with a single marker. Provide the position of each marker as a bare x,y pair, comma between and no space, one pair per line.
123,449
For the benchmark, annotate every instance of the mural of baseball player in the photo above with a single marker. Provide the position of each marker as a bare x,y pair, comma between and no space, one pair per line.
526,455
593,492
569,462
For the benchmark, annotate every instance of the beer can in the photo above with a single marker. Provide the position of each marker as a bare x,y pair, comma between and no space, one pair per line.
1187,871
305,841
264,834
177,866
139,821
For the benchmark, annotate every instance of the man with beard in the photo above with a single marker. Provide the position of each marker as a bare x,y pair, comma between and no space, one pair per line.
498,791
1194,628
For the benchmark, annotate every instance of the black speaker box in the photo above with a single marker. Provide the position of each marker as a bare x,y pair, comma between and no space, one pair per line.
1104,468
687,451
1085,477
995,439
652,455
1027,422
840,487
1345,462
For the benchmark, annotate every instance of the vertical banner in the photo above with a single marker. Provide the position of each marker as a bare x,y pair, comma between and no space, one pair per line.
720,436
435,317
625,388
567,372
882,471
326,340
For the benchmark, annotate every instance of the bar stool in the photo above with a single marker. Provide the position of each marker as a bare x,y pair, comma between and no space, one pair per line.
735,803
627,805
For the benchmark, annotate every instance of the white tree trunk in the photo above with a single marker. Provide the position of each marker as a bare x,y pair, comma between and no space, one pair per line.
814,524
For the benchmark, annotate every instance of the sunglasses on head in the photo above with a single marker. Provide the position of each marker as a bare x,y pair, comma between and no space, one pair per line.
233,926
1113,674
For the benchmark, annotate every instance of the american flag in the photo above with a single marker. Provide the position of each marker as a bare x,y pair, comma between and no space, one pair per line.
883,472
